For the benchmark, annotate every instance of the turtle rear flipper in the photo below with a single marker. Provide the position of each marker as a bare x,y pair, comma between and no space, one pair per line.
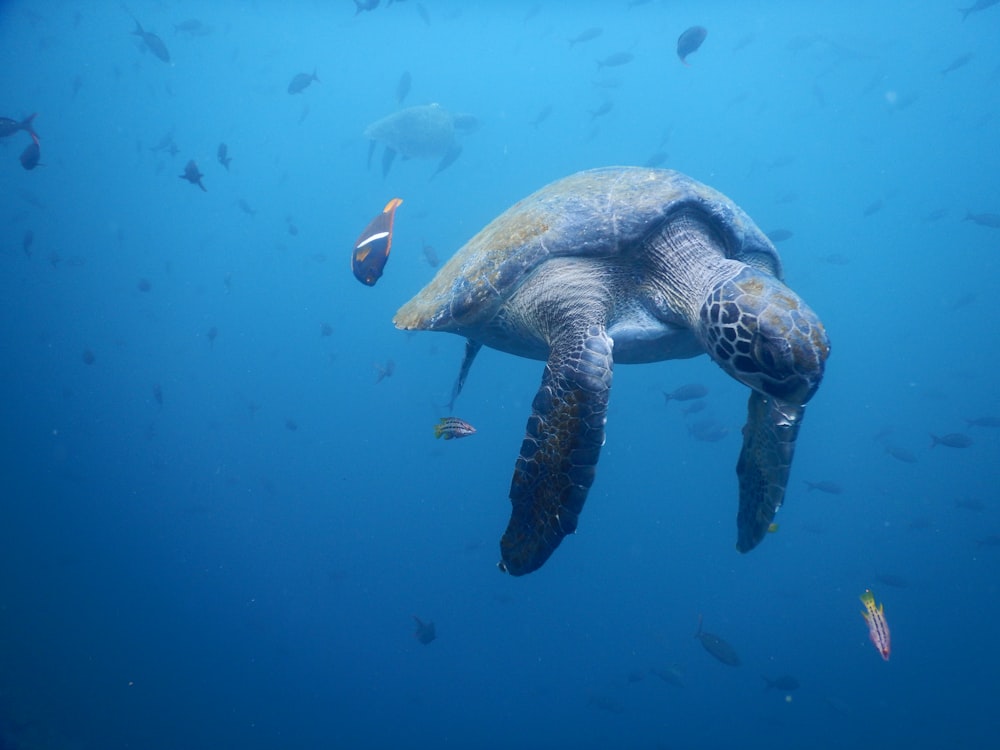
388,157
448,159
560,450
764,464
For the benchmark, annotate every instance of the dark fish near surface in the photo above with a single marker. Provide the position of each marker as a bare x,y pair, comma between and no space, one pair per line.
192,175
10,126
690,41
780,235
586,35
618,58
977,6
983,422
686,392
825,485
31,155
425,632
984,220
453,427
951,440
222,154
785,682
301,82
403,86
153,43
958,62
717,647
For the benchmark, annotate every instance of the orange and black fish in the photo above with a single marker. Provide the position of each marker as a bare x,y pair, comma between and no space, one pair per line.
192,175
371,251
453,427
878,628
690,41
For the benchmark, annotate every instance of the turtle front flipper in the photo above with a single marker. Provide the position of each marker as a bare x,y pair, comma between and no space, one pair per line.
561,446
764,464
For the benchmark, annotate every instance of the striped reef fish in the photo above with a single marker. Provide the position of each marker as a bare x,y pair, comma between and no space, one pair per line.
453,427
878,628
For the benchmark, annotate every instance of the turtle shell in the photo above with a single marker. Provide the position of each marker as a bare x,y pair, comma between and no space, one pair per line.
598,213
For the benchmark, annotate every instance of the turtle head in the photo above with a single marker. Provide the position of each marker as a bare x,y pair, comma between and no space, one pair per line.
764,335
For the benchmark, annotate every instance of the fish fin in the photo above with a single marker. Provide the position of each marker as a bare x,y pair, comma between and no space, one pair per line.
371,152
471,350
388,156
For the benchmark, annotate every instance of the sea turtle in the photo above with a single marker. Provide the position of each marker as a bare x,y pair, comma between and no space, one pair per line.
626,265
427,131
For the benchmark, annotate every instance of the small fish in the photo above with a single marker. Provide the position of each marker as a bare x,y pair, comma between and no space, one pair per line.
686,392
901,454
31,155
983,422
708,430
878,628
325,329
951,440
694,407
958,62
425,632
615,60
430,255
873,208
656,159
144,285
192,175
371,251
717,647
222,154
88,357
9,127
690,41
977,6
384,371
784,683
424,15
245,207
780,235
291,424
158,394
27,241
191,26
153,43
895,581
361,5
672,674
991,540
936,215
403,86
586,35
772,528
605,107
984,220
212,334
453,427
301,81
542,116
970,503
825,485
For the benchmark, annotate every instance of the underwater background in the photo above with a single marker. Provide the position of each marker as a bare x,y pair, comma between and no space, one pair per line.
221,500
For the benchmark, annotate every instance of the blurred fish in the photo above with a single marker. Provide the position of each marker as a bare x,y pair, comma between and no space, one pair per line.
873,207
717,647
425,632
785,683
708,430
360,5
824,485
901,454
656,159
959,62
672,674
144,285
88,357
541,116
984,220
300,82
694,407
892,580
991,540
212,335
977,6
384,371
9,127
325,329
158,394
780,235
27,241
690,41
31,155
602,110
192,175
936,215
153,43
192,26
686,392
430,255
835,259
222,154
424,15
615,60
453,427
951,440
403,86
983,422
291,424
586,35
245,207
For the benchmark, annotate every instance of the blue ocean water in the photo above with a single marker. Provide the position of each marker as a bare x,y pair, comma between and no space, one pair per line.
221,501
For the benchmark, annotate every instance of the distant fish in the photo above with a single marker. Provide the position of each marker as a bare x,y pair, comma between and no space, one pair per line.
360,5
452,427
959,62
403,86
190,26
901,454
951,440
977,6
192,175
301,81
825,485
708,430
31,155
690,41
717,647
656,159
425,632
983,422
686,392
672,674
88,357
895,581
246,207
9,126
873,208
586,35
384,371
424,15
602,110
144,285
153,43
780,235
158,394
785,683
615,60
222,154
541,116
27,241
984,220
212,334
936,215
430,255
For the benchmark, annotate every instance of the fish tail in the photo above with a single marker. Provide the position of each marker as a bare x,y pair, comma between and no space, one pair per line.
438,430
934,440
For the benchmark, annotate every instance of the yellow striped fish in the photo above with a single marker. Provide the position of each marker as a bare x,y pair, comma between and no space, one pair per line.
878,628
